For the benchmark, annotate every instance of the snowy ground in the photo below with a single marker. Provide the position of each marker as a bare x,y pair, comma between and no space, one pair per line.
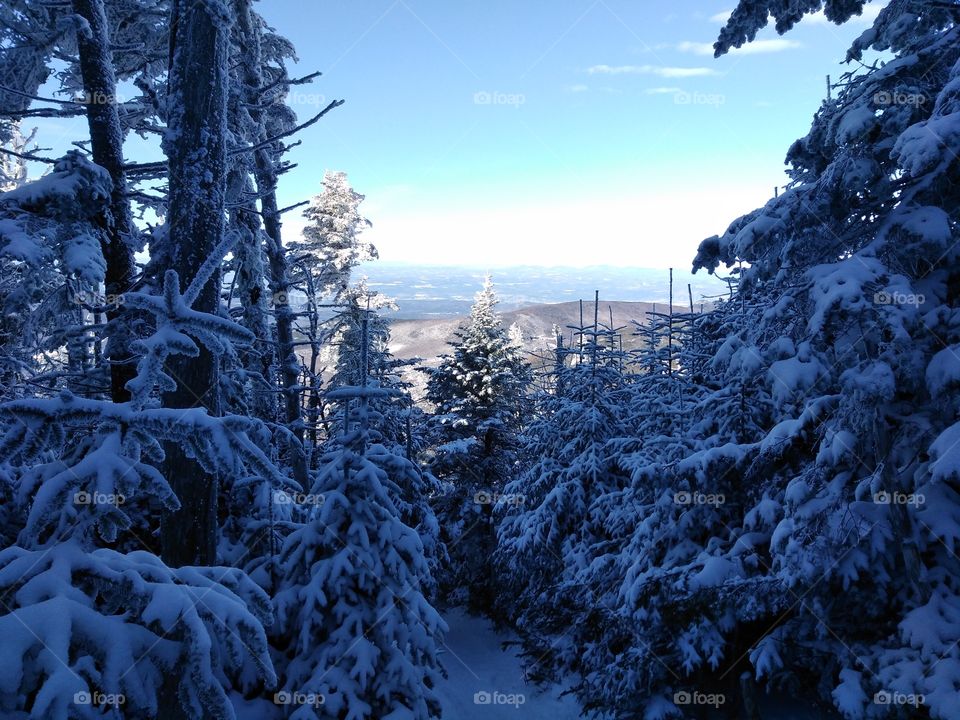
475,664
479,670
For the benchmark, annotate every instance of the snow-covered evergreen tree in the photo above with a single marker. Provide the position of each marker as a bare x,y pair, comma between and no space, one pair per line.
478,392
332,245
87,469
323,262
857,258
353,617
800,534
573,455
394,420
50,242
95,634
360,316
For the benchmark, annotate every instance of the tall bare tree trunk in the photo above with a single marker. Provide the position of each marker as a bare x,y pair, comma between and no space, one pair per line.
106,141
196,152
259,360
266,179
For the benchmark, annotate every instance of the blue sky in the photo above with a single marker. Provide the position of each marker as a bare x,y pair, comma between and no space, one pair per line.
546,132
564,132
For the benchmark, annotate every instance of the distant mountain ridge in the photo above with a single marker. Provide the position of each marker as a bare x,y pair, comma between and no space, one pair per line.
428,338
448,291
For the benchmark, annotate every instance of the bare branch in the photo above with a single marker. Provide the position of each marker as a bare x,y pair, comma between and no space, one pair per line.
26,156
288,208
283,80
43,112
288,133
145,168
4,88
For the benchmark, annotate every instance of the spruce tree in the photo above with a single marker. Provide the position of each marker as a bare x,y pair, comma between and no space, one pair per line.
478,392
362,341
801,540
353,616
573,456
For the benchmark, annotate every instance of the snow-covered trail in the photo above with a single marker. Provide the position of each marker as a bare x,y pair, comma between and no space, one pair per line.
478,669
475,663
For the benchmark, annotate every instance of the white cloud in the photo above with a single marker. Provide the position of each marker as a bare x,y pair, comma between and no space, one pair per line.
659,70
721,17
680,72
696,48
757,47
577,88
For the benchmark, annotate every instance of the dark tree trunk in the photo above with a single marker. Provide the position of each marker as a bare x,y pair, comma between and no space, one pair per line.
259,360
106,141
280,286
313,405
278,278
196,153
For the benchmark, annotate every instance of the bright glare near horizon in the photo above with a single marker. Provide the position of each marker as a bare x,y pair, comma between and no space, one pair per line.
574,132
